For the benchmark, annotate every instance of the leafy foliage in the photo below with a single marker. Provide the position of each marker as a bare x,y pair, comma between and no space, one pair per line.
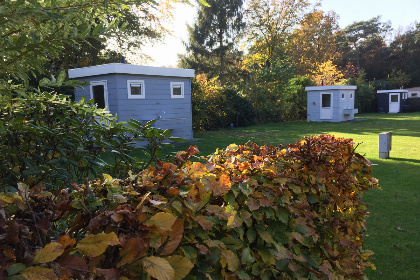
45,138
250,212
215,106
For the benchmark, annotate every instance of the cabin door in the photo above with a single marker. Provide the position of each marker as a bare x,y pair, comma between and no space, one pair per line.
326,106
99,93
394,103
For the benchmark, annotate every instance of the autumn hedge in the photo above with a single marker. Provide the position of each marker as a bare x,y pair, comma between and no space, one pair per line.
247,212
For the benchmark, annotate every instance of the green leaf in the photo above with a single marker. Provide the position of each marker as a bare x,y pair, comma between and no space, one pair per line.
251,235
283,215
204,3
243,275
15,268
247,257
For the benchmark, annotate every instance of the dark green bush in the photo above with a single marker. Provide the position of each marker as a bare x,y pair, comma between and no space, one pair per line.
46,138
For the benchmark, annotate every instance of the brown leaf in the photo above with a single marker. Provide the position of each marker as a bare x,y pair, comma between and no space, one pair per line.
253,204
175,237
43,227
73,262
108,274
202,249
164,221
132,249
12,235
38,273
206,225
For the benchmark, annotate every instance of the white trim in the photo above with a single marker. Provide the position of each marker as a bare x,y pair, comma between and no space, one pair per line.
392,91
122,68
98,83
324,88
142,87
177,84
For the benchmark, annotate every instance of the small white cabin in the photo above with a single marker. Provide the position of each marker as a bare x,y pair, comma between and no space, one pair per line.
331,103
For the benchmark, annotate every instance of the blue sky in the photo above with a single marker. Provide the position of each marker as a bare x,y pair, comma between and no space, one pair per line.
400,13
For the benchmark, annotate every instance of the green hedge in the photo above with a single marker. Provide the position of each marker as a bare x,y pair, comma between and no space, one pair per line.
248,212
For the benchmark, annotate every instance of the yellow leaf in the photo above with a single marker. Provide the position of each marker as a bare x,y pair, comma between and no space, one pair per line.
181,265
49,253
196,170
162,220
38,273
107,178
158,268
95,245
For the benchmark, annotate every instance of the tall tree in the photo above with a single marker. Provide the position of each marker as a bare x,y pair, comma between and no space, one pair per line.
363,45
211,48
313,43
269,26
405,55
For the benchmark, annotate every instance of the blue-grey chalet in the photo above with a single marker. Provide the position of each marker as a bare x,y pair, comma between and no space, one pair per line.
142,93
331,103
392,100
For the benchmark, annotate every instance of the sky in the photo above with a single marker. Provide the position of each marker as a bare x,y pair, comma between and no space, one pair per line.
401,14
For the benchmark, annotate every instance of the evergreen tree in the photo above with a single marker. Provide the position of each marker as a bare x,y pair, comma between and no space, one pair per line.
211,47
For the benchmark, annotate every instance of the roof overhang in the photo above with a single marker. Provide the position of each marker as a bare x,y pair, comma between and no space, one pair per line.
392,91
122,68
335,87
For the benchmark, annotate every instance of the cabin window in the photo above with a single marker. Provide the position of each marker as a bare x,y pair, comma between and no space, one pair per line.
414,94
177,90
351,95
136,89
342,96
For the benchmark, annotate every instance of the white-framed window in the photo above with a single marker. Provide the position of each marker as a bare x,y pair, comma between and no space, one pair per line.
177,89
136,89
342,96
351,95
414,94
99,93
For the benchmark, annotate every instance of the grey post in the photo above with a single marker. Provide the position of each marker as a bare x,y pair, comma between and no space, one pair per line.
385,143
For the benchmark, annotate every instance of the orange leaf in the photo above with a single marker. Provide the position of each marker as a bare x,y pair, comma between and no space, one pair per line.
196,170
95,245
49,253
38,273
219,185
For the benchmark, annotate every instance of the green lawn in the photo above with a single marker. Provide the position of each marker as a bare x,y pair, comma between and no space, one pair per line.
394,224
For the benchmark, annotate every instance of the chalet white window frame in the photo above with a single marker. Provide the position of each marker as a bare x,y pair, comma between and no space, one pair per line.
351,95
177,86
342,96
136,84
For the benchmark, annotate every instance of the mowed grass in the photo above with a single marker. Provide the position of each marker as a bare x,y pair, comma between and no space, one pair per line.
394,224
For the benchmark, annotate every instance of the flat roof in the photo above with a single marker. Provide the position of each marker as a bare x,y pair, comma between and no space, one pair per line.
122,68
334,87
392,90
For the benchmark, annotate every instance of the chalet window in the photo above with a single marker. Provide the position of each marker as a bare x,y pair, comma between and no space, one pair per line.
351,95
177,90
136,89
414,94
342,96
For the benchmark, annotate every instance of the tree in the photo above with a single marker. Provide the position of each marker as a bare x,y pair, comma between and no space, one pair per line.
269,25
211,47
406,54
314,42
363,45
36,32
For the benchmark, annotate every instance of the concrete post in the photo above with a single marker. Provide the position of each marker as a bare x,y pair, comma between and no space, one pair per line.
385,143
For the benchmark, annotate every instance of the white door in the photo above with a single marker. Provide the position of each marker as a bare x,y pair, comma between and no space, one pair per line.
394,103
326,106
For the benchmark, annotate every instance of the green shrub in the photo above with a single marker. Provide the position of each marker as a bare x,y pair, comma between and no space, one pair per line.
215,106
46,138
250,212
